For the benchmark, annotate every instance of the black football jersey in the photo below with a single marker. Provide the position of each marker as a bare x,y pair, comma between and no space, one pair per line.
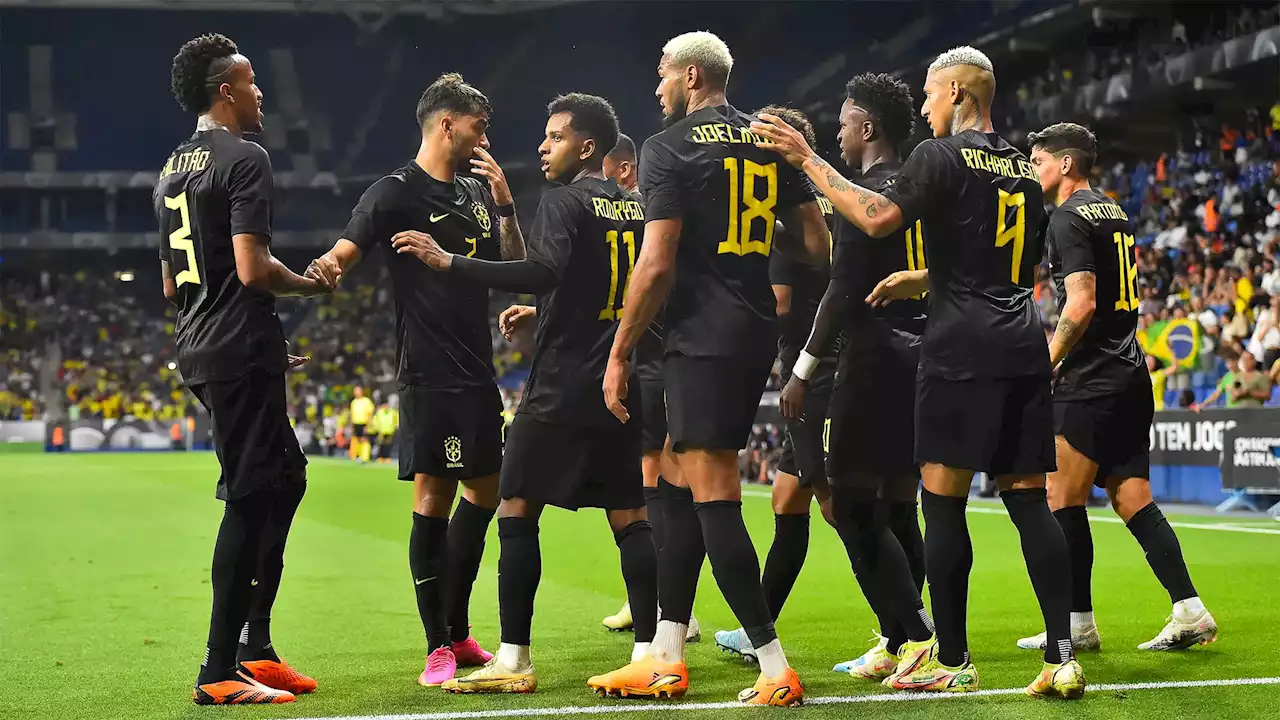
1091,233
979,203
862,262
706,170
213,187
442,321
808,283
589,234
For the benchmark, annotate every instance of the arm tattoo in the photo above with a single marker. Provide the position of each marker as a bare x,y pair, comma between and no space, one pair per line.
1067,331
511,239
837,183
871,210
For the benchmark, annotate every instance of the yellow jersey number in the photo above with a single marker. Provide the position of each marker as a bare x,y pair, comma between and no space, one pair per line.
915,251
1128,298
1015,233
611,311
742,176
180,239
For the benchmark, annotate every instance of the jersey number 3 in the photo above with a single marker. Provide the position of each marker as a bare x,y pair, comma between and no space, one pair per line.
1016,232
738,239
180,239
611,310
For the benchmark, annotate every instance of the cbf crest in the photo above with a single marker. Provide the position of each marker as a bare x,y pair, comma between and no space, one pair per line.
482,217
453,451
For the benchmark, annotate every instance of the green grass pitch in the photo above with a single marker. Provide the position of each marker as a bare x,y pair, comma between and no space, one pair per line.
104,600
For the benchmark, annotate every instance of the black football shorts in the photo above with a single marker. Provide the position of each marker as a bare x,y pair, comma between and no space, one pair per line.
712,401
1111,430
653,415
450,433
802,445
871,420
573,467
359,430
252,437
998,426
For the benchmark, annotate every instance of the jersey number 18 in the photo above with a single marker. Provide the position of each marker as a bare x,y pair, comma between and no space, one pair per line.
738,239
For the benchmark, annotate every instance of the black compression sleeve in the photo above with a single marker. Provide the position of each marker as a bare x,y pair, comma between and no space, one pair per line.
520,276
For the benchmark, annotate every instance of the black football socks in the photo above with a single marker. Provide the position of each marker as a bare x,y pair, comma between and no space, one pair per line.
640,573
428,561
235,561
1044,548
736,567
785,559
948,560
1074,522
1164,554
657,519
519,571
255,638
683,551
904,522
882,570
467,529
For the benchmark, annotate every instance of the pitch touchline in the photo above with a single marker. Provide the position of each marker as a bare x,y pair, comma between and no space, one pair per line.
752,492
624,706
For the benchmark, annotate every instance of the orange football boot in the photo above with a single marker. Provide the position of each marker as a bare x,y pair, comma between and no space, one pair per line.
782,691
243,690
279,675
645,678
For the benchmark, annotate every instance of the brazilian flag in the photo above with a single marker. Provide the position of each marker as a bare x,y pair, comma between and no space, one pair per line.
1175,342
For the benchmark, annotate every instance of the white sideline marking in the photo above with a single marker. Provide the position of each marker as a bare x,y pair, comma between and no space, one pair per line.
1117,521
758,493
630,707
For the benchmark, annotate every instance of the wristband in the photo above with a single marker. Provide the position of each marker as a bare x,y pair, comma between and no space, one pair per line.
804,365
508,210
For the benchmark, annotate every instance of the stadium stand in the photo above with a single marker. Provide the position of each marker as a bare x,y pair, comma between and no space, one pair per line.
75,212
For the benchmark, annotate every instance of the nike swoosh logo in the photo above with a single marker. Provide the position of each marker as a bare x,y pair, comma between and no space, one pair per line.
253,583
424,580
438,218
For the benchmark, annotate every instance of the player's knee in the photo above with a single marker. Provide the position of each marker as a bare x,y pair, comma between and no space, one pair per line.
1020,482
827,507
433,496
951,482
1064,492
651,467
1129,495
621,519
517,507
788,497
482,492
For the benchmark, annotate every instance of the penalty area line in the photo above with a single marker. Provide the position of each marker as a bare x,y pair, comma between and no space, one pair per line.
630,707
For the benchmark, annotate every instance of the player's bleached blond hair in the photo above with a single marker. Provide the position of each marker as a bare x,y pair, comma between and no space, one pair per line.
963,55
703,50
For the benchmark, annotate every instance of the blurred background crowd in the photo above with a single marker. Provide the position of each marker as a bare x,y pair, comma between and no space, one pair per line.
1193,155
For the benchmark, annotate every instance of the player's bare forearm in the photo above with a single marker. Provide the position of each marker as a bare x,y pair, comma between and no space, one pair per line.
345,253
649,286
511,239
873,213
831,308
170,287
1076,315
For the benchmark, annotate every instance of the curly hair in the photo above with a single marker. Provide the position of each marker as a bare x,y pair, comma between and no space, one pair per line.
590,115
795,119
888,100
1068,139
197,62
450,92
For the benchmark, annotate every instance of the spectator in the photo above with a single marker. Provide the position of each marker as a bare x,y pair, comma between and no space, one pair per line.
1251,387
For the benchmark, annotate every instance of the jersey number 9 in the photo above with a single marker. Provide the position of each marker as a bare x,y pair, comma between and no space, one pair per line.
1016,232
738,240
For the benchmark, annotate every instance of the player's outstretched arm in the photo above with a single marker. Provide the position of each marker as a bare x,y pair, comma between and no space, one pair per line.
258,268
1076,314
872,212
647,292
899,286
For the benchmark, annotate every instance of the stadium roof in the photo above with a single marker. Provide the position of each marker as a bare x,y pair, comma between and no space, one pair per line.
429,8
